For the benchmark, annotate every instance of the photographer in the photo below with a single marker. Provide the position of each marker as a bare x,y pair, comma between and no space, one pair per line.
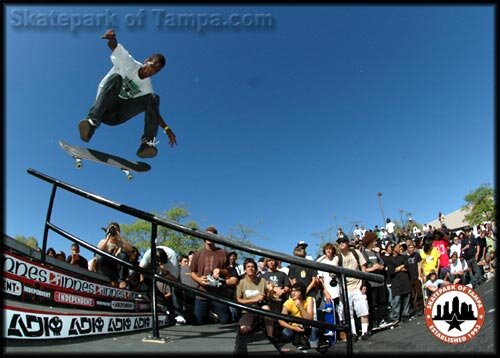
117,246
255,291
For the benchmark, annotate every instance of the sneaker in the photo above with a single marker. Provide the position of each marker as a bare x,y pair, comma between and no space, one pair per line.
180,320
366,337
147,149
87,129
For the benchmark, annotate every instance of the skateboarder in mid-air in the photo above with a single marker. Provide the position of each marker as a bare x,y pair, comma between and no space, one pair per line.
123,93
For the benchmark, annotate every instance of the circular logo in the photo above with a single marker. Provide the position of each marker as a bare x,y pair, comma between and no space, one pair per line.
454,314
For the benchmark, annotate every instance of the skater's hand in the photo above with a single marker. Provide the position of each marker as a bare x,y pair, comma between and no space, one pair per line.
171,136
109,35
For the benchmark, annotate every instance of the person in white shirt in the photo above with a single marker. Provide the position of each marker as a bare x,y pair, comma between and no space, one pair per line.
123,93
456,246
458,270
390,228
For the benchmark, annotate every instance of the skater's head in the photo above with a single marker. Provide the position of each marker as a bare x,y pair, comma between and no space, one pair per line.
152,65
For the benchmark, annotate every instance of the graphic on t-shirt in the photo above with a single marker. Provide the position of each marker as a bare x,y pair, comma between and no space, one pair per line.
129,88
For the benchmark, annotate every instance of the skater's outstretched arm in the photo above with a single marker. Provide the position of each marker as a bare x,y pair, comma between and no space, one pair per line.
111,37
168,131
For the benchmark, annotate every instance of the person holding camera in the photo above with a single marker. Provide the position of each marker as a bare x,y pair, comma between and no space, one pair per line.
209,269
256,291
115,245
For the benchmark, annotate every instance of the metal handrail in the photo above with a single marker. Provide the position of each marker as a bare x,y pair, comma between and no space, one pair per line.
155,221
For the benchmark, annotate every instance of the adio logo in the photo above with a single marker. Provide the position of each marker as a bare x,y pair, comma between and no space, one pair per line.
454,314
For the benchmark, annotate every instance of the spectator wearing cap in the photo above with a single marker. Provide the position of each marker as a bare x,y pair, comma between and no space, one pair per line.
356,289
433,283
304,245
378,301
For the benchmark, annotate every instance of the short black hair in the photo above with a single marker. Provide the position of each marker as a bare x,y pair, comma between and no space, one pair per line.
249,260
160,58
300,286
161,256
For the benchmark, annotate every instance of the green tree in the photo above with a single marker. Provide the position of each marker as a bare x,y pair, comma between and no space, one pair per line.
241,234
480,205
28,241
139,232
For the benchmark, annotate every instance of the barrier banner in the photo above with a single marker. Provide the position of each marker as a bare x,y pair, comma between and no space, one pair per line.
32,282
27,324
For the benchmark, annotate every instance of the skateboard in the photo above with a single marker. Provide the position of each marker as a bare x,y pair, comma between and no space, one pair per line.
385,326
329,317
81,153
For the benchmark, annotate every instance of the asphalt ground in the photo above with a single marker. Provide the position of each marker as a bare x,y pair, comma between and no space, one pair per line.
412,338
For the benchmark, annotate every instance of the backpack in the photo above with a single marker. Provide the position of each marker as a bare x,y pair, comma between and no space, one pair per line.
354,253
356,256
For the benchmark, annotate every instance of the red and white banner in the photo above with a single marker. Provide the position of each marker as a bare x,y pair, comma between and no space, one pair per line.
32,282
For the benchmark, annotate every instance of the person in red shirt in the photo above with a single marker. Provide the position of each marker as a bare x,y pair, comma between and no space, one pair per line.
442,243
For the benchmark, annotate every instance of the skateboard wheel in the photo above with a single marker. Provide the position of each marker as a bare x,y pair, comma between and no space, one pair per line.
130,177
79,163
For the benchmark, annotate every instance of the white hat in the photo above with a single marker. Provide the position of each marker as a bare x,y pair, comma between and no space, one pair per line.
302,243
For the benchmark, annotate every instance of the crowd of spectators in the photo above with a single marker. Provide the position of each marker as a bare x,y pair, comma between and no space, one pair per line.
414,261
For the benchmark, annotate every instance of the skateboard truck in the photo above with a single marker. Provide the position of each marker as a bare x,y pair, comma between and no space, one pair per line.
127,173
78,162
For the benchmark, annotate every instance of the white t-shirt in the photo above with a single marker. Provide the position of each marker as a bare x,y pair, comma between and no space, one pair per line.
390,227
333,291
456,248
126,66
459,265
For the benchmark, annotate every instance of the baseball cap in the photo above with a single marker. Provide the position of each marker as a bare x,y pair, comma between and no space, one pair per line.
302,243
342,239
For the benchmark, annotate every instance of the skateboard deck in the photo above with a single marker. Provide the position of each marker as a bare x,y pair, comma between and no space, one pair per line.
384,327
329,317
82,153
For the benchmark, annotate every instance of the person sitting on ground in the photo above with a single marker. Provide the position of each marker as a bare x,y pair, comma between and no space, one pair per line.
458,270
76,259
433,283
255,291
301,306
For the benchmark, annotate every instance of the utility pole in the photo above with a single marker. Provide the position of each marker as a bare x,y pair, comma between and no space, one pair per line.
379,195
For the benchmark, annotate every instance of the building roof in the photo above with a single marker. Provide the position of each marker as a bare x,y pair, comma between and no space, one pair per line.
453,221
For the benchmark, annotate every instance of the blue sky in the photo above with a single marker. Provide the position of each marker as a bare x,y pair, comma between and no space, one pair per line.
290,129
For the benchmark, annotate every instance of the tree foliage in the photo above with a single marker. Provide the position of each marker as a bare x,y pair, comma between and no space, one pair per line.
139,232
480,205
28,241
